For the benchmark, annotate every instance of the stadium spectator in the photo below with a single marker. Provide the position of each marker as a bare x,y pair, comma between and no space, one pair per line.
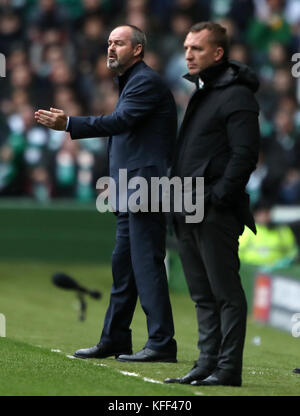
282,158
268,26
49,14
91,40
273,247
58,47
11,31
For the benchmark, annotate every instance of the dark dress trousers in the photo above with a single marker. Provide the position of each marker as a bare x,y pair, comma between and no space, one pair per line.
141,131
218,140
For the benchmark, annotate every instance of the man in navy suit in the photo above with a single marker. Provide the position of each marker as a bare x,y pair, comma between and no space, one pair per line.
141,131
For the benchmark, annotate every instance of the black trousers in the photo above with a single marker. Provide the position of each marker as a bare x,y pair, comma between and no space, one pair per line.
138,270
209,255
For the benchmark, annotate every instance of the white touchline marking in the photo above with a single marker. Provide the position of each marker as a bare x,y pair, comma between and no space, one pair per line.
125,373
2,323
151,380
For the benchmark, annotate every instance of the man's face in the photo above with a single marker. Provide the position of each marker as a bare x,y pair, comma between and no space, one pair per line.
200,51
121,54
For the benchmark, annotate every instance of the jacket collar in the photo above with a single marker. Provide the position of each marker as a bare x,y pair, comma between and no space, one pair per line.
208,75
122,80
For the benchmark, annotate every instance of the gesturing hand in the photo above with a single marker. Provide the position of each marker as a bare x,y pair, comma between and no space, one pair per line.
54,119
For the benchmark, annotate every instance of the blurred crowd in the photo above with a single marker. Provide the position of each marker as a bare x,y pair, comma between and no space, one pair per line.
55,54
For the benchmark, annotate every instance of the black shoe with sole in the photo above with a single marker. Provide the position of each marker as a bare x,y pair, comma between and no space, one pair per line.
220,377
196,373
148,355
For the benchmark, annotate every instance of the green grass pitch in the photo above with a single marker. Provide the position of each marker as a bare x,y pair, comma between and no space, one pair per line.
43,329
42,326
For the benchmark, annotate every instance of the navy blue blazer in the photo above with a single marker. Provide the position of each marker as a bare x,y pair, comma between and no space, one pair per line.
142,129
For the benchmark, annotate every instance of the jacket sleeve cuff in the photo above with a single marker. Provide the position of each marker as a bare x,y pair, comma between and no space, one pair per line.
68,123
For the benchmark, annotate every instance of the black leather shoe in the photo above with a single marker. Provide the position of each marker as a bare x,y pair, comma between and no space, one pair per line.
148,355
101,351
296,370
196,373
219,378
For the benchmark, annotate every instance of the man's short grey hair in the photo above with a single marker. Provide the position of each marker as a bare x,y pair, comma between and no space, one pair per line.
138,37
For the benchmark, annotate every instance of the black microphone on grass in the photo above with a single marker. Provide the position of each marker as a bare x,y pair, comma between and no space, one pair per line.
64,281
